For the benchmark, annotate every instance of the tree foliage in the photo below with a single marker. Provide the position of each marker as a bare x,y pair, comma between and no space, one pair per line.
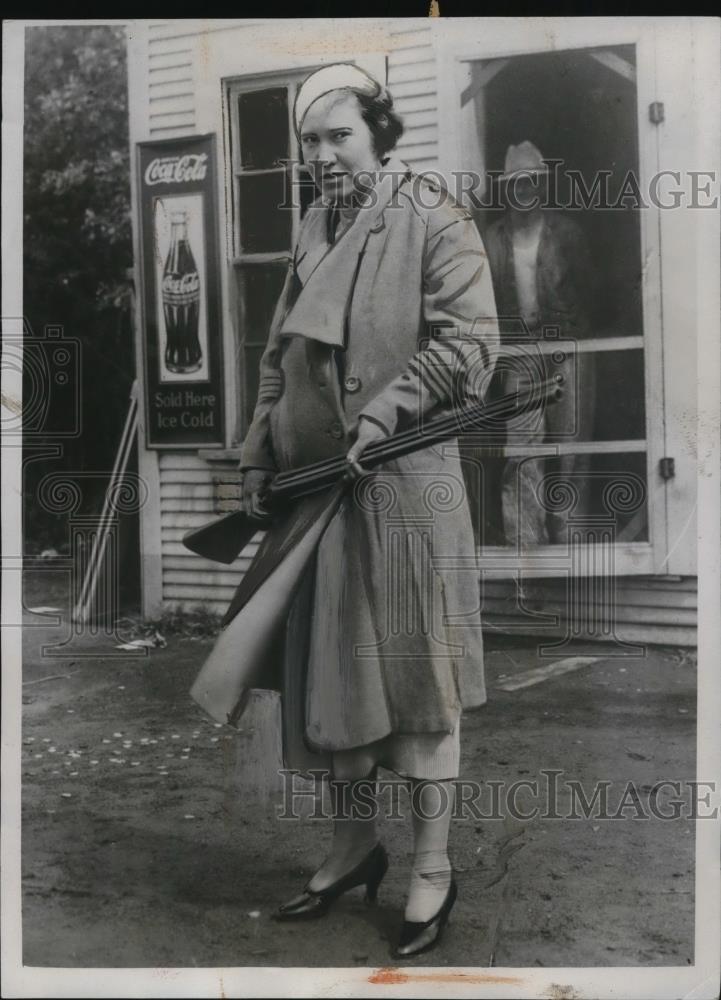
77,235
76,190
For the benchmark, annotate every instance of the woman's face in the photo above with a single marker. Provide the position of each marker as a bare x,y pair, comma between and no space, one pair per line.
338,146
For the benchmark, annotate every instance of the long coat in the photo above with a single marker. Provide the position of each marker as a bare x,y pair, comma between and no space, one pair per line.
396,322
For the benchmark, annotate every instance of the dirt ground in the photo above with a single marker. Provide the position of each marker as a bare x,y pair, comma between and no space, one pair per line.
144,844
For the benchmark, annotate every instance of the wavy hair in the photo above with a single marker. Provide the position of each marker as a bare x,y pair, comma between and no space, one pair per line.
385,124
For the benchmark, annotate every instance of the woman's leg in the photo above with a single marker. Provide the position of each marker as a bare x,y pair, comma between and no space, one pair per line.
353,835
432,807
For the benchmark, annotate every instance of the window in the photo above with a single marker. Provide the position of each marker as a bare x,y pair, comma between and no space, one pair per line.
265,214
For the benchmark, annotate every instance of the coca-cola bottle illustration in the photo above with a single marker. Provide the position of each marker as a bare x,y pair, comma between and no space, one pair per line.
181,301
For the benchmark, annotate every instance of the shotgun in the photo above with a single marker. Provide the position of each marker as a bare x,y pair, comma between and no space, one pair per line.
223,539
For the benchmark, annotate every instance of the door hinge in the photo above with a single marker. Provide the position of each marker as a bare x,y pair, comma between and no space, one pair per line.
666,468
656,112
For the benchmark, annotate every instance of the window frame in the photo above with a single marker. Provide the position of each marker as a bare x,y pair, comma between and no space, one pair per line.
238,258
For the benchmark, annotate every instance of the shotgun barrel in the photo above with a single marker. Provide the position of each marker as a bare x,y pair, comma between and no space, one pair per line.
223,539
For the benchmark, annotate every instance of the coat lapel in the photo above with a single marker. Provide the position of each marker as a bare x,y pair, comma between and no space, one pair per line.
311,258
320,310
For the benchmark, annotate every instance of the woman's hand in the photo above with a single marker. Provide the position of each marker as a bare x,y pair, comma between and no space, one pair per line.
254,482
366,433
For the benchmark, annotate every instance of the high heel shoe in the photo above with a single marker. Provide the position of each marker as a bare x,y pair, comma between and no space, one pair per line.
418,936
313,903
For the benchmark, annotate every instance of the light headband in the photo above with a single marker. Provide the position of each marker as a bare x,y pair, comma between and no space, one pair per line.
323,81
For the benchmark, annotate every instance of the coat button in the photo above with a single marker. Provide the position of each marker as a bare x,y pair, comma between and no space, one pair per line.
352,383
336,430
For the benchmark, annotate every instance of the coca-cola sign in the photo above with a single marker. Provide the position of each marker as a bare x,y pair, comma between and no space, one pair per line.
177,169
182,372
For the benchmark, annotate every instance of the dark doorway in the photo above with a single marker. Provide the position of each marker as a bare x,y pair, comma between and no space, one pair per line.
579,108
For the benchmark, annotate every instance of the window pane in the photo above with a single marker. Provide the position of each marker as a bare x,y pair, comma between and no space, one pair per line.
526,502
259,287
620,405
608,486
482,480
603,394
263,123
266,215
579,108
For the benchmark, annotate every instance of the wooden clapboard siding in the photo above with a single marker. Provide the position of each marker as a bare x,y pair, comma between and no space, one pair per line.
412,79
419,135
425,87
181,461
410,72
647,609
195,496
171,81
661,585
189,504
591,618
594,614
179,560
662,635
197,592
413,38
630,597
181,521
413,55
421,118
224,577
167,46
184,476
193,27
187,500
169,90
418,105
177,59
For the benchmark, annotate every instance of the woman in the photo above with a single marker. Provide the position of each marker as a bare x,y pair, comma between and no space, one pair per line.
387,318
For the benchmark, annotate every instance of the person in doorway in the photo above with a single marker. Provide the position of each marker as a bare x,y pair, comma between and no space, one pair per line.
387,319
542,275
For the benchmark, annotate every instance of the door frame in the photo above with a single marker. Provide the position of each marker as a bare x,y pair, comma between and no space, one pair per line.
456,51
